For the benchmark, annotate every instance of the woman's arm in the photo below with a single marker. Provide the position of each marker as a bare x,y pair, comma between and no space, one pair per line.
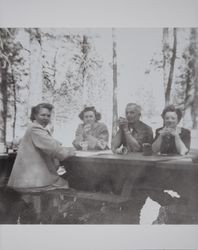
103,133
186,137
103,137
47,144
182,140
98,138
181,148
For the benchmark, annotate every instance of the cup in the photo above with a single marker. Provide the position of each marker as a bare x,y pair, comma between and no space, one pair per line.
122,150
147,149
84,145
194,158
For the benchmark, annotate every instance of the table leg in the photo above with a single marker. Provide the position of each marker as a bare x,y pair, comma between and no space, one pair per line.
131,180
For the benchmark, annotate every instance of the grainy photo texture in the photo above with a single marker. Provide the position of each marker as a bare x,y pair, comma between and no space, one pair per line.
98,126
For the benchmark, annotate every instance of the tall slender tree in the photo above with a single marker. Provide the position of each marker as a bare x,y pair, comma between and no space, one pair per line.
192,87
115,84
9,54
169,83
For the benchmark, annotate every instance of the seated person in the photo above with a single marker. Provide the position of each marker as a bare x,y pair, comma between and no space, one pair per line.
171,139
132,132
35,164
91,134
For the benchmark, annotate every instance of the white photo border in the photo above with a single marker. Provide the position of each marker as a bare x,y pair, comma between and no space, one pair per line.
98,14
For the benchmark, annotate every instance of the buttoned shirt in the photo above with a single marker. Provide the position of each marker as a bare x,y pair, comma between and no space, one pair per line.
139,130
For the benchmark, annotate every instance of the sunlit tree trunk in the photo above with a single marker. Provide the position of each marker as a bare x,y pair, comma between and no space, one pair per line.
20,75
35,91
171,71
84,50
166,51
115,85
4,102
14,103
11,105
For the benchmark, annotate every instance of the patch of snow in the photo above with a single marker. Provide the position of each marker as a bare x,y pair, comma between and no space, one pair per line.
172,193
149,212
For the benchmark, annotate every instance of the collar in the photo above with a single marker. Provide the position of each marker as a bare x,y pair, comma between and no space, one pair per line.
35,123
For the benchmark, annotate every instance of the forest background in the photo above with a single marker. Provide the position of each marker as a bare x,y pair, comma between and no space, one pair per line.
105,68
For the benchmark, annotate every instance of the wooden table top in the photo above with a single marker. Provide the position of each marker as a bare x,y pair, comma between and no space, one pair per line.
130,158
184,163
162,161
7,156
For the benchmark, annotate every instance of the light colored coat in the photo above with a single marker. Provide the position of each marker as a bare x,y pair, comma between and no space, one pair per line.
35,162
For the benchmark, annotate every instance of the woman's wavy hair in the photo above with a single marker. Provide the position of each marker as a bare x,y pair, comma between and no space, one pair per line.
92,108
172,108
35,109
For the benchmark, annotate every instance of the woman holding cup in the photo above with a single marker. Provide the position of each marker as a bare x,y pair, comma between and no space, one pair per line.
171,139
91,134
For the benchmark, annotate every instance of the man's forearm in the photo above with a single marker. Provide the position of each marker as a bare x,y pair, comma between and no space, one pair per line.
131,141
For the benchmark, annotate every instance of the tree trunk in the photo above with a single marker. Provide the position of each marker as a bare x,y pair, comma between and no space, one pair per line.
84,51
194,110
4,109
191,82
166,64
172,63
115,106
14,103
1,110
36,78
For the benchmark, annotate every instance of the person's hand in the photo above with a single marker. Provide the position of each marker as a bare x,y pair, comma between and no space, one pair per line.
118,151
121,150
168,131
87,128
173,131
164,131
123,124
84,145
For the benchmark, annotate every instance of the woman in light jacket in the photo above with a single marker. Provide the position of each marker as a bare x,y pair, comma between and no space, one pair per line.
35,164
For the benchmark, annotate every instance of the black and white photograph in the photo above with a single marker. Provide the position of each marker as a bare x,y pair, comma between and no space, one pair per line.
99,129
99,126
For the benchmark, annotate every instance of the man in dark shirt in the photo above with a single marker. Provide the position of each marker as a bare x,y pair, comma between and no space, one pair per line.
132,132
